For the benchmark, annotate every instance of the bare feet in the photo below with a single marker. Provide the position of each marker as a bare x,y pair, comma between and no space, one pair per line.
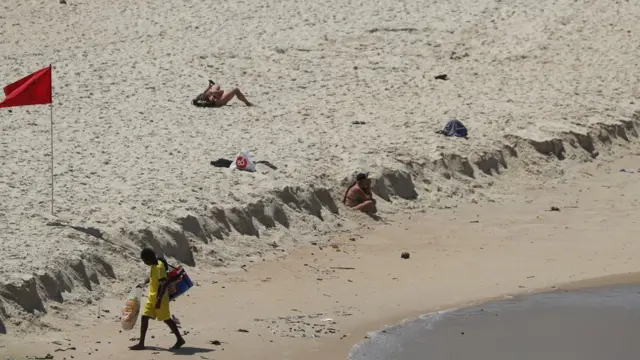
178,344
137,346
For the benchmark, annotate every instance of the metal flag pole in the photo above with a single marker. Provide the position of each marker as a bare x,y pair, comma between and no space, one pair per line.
52,184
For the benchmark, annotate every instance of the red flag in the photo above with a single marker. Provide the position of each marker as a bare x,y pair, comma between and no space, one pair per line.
34,89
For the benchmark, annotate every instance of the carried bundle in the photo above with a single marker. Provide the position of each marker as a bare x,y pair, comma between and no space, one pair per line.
131,309
179,281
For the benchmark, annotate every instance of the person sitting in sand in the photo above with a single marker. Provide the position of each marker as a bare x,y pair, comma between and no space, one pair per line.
213,96
359,196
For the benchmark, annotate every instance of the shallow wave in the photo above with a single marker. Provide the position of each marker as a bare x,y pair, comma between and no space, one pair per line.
586,324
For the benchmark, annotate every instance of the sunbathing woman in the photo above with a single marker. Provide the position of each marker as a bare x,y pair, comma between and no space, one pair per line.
359,197
213,96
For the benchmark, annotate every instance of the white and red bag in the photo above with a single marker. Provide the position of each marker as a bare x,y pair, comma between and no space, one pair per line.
243,161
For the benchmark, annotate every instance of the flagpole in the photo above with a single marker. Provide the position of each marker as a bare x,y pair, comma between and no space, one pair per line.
52,184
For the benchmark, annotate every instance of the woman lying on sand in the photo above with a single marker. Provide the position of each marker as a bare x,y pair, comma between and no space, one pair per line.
359,197
213,96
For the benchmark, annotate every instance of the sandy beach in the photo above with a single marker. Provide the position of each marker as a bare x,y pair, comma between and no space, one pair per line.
459,256
548,91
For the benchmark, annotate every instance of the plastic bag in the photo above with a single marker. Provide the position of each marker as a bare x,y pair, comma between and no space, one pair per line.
131,309
244,161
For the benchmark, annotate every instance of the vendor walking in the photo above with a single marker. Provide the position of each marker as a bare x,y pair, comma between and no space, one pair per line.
157,306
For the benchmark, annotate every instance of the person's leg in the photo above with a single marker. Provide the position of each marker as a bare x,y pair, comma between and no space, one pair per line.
174,329
368,206
372,209
241,96
164,314
228,96
144,325
176,320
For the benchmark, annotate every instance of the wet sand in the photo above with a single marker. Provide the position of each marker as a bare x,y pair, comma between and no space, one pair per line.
591,324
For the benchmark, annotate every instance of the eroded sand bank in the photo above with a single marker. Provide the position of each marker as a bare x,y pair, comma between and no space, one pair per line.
458,256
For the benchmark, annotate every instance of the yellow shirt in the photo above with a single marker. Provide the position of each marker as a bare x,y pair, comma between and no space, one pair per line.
156,273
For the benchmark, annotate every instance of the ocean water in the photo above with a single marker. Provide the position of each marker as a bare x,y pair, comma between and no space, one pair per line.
592,324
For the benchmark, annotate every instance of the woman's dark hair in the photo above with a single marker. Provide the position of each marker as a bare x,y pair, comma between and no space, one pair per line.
202,101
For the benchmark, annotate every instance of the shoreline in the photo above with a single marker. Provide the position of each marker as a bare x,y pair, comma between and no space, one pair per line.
551,319
596,283
335,347
513,246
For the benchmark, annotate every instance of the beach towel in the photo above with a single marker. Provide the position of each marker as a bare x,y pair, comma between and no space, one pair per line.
223,163
454,128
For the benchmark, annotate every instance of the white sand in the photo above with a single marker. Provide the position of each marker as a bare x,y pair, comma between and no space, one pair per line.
132,154
458,256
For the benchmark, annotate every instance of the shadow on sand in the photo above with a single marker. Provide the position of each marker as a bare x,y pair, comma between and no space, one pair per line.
185,350
374,217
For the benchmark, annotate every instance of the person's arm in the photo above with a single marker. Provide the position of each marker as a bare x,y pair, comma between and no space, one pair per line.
164,284
352,197
144,283
217,94
369,194
364,194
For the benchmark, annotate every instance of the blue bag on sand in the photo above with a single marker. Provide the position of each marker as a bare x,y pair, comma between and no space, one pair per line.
454,128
